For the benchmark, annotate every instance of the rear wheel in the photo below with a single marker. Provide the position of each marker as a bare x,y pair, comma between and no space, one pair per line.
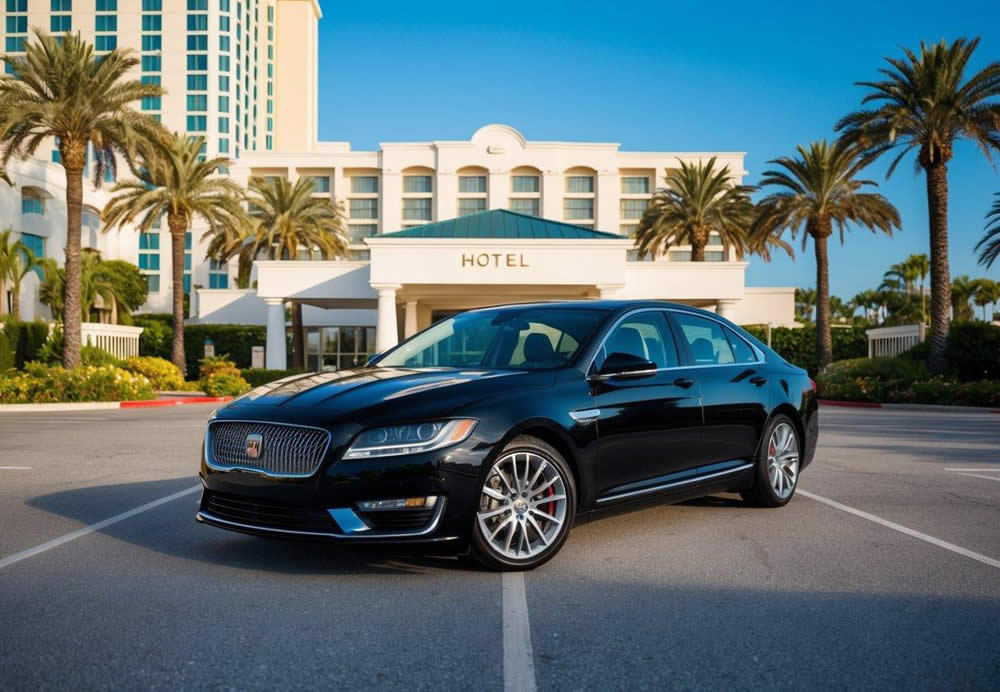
776,473
526,507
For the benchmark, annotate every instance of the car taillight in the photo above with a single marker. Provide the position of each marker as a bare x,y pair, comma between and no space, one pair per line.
812,384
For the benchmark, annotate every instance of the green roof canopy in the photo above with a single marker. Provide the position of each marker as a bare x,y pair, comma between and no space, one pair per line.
500,223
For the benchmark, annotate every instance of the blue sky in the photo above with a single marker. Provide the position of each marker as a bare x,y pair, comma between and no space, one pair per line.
753,77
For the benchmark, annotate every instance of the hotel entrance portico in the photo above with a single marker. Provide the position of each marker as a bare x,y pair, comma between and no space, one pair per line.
484,259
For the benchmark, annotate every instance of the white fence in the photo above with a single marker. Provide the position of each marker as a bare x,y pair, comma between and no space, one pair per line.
891,341
117,339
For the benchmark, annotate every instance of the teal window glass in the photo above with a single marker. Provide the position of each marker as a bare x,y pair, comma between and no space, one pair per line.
35,243
153,283
270,13
224,63
187,240
187,283
152,103
107,5
197,22
197,82
198,5
224,84
17,25
197,42
416,184
197,102
224,104
17,5
580,183
524,183
471,206
224,25
364,184
270,124
56,156
224,43
218,281
58,23
151,63
15,44
106,22
472,183
152,22
197,123
151,79
152,5
187,262
149,261
105,43
61,5
152,42
224,5
223,146
224,125
32,205
149,241
197,62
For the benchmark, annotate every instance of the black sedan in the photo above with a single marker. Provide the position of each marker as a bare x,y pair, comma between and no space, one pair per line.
493,430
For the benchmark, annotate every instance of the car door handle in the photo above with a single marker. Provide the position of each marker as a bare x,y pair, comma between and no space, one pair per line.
758,381
684,382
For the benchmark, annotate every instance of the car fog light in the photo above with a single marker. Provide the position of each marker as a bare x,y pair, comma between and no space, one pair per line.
400,503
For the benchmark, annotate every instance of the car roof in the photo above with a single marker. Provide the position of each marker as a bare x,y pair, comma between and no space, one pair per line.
600,304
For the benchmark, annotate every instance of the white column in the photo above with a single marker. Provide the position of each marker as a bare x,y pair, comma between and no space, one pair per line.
498,190
724,308
553,187
275,350
410,323
386,330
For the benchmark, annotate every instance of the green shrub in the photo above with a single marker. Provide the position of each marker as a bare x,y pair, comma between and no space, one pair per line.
93,355
51,351
941,391
217,365
39,383
25,339
258,376
161,373
235,339
797,345
6,355
973,351
224,384
156,336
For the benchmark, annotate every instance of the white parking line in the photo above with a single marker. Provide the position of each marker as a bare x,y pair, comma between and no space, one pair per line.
55,542
518,661
902,529
979,475
986,469
15,468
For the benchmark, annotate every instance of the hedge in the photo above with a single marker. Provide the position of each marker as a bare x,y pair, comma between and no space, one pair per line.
901,380
24,339
797,345
233,340
973,351
39,383
259,376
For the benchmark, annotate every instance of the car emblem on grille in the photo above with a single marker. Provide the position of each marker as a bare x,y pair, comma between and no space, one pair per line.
255,445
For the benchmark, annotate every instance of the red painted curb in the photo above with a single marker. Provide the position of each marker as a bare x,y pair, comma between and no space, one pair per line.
850,404
155,403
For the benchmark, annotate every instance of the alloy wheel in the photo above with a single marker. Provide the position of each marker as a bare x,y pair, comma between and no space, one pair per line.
522,508
783,460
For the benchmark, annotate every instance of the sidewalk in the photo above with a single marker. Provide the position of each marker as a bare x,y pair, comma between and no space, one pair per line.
102,405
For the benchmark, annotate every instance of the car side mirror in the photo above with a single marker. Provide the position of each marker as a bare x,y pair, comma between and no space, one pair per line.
625,365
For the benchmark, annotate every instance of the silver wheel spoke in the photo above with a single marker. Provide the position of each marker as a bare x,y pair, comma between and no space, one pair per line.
534,479
495,494
544,515
783,460
536,527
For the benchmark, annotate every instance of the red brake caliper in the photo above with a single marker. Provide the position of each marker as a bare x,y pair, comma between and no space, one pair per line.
552,505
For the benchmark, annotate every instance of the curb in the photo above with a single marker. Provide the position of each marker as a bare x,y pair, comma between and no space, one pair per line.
105,405
935,408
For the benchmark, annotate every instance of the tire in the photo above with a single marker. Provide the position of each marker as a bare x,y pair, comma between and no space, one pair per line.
776,471
513,530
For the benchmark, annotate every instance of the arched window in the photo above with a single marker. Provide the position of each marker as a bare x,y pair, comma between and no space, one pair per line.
32,201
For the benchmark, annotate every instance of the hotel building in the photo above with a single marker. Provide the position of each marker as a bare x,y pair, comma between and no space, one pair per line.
434,226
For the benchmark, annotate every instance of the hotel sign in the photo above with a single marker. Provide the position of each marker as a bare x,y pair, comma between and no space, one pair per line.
493,259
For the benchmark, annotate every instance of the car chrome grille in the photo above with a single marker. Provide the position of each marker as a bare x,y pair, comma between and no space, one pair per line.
285,450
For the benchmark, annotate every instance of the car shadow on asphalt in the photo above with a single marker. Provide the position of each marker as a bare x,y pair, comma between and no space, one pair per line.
176,533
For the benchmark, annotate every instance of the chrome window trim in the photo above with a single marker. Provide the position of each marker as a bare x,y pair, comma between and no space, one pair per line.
435,520
595,377
246,469
664,486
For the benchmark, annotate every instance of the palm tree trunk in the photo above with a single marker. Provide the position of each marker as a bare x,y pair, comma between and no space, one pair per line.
178,228
298,343
937,207
699,239
73,161
15,304
824,341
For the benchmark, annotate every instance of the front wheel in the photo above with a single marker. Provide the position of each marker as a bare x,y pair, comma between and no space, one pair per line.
526,507
776,473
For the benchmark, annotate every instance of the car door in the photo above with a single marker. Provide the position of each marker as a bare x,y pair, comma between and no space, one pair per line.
734,386
648,423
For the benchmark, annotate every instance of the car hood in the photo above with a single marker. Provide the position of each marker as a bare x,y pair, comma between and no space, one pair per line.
355,393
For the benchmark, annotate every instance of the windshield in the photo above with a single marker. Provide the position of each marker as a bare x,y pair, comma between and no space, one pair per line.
528,339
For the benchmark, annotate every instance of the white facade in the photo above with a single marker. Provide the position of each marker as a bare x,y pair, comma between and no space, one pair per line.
266,56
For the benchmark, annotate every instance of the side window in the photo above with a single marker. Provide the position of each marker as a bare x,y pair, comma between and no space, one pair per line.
742,351
646,335
706,339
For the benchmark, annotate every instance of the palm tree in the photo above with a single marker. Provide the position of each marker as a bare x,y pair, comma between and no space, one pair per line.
989,246
21,262
174,183
962,290
61,89
924,104
9,250
841,311
286,218
987,293
94,285
805,302
697,200
818,189
870,302
911,272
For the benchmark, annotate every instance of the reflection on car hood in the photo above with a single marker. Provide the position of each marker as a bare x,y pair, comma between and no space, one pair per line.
367,386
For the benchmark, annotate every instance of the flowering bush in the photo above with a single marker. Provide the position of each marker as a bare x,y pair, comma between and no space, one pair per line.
224,384
217,365
92,355
38,383
162,374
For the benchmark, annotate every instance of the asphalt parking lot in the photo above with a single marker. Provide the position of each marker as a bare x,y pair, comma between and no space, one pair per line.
883,573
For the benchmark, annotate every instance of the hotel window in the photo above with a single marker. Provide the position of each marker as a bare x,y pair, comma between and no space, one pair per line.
197,42
471,205
152,22
364,209
197,123
59,23
635,185
196,5
364,184
472,184
223,125
197,22
580,184
321,183
107,5
17,25
35,243
417,184
524,183
106,22
61,5
197,62
574,209
149,254
152,5
197,102
151,63
223,146
359,231
224,104
218,274
105,43
197,82
417,209
31,203
525,206
152,42
224,43
338,348
633,208
151,103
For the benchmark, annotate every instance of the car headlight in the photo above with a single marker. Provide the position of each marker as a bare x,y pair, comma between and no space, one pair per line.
394,440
